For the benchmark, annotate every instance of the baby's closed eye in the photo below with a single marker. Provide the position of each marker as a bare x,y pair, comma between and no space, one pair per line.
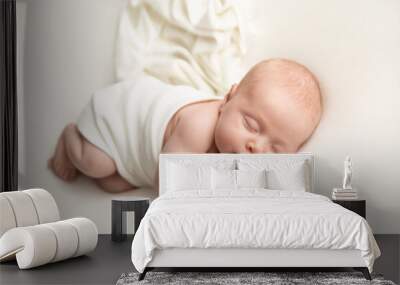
251,124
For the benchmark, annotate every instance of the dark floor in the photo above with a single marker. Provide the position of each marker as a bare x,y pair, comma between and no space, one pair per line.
111,259
102,266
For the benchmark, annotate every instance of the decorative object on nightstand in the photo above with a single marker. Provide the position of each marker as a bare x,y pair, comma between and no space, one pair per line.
357,206
120,206
347,192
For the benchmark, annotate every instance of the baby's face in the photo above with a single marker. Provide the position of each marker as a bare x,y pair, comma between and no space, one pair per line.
265,119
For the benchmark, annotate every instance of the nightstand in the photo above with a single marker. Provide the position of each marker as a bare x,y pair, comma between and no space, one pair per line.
357,206
120,206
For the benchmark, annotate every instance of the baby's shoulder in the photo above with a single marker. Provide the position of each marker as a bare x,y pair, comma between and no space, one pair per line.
194,130
201,115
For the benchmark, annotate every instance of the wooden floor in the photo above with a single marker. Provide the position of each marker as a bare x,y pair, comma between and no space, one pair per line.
111,259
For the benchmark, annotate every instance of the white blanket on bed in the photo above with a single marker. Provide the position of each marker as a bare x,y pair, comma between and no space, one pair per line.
250,219
182,42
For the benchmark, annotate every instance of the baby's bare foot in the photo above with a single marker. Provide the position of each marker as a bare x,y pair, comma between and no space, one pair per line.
60,163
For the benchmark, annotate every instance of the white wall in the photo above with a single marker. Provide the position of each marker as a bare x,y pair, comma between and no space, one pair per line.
21,18
352,46
69,48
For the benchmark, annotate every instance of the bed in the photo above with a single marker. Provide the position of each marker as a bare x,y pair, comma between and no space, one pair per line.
245,211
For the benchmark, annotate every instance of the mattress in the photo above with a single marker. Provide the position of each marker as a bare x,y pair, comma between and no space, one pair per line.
250,218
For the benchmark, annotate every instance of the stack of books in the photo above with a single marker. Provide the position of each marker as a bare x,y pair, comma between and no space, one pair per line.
344,194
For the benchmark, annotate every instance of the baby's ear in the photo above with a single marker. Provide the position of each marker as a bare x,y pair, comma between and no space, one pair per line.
228,96
231,92
234,87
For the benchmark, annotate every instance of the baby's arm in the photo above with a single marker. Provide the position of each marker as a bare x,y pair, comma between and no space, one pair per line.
193,134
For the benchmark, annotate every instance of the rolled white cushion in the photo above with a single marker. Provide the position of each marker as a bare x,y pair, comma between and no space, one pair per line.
27,208
67,239
33,245
7,218
23,208
87,234
46,207
40,244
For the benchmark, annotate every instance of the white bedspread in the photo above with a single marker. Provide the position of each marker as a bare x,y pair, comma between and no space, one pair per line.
250,219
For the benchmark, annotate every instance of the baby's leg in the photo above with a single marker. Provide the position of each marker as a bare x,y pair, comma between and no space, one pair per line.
114,183
60,162
75,153
85,156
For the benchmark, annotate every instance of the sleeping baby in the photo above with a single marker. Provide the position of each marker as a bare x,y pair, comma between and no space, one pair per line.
121,132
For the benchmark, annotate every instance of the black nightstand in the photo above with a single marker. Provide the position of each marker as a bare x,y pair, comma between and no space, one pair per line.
119,207
357,206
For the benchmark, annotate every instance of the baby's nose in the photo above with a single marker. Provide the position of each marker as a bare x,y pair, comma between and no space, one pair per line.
252,147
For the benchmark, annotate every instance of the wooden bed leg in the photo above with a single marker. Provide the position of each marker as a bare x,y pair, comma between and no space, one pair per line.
364,271
143,274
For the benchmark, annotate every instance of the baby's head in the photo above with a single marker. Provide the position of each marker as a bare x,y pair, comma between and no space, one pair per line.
275,108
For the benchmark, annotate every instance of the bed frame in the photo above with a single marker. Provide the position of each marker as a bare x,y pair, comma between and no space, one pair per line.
250,258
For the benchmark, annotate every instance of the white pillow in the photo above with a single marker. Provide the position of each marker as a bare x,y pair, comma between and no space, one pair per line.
224,179
281,174
293,178
188,177
251,178
229,179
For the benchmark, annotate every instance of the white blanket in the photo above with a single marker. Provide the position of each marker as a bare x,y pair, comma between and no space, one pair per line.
183,42
128,120
243,219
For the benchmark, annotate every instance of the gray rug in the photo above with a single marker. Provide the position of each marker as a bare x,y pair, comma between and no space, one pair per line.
230,278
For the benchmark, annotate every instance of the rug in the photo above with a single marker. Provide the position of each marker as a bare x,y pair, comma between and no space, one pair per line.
269,278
